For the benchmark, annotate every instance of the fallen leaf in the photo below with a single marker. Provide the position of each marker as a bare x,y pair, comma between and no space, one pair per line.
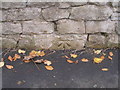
70,61
66,56
33,53
49,67
97,51
109,57
98,60
10,58
47,62
76,62
41,53
39,61
16,57
27,57
9,66
110,53
104,69
102,57
73,55
2,64
26,61
84,60
21,51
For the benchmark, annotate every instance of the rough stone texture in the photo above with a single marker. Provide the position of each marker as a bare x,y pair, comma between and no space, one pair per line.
115,16
78,3
37,27
62,4
11,28
97,41
118,27
8,5
70,26
100,26
21,14
91,12
54,13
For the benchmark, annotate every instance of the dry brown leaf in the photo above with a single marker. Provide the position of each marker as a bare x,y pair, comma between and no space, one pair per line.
9,66
66,56
111,53
73,55
33,53
109,57
70,61
10,58
97,51
76,62
104,69
2,64
21,51
47,62
16,57
39,61
26,61
41,53
102,57
84,60
98,60
49,67
27,57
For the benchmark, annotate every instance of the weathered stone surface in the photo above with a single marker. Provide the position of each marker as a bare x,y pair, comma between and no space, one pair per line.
7,5
98,2
21,14
27,42
70,26
32,3
118,27
44,41
11,28
0,42
78,3
37,27
54,13
91,12
115,16
100,26
97,41
62,4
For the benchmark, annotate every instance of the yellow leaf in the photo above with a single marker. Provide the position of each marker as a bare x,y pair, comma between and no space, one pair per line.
2,64
97,51
41,53
104,69
49,67
70,61
84,60
9,66
21,51
98,60
48,63
102,57
73,55
33,53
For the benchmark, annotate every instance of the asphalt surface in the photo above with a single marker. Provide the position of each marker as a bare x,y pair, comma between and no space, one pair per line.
64,75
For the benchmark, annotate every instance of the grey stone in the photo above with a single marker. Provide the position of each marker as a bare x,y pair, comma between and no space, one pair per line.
27,42
113,38
70,26
97,41
44,41
37,27
100,26
21,14
115,16
62,4
54,13
7,5
11,28
78,3
91,12
98,2
118,27
32,3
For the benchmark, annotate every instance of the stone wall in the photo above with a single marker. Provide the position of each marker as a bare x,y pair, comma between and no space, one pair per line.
60,25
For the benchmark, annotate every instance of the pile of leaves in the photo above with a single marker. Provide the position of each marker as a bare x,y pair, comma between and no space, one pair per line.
48,64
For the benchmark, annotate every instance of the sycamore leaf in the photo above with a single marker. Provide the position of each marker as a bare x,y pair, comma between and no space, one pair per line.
98,60
97,51
9,66
48,63
10,58
109,57
39,61
2,64
49,67
21,51
104,69
84,60
73,55
110,53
